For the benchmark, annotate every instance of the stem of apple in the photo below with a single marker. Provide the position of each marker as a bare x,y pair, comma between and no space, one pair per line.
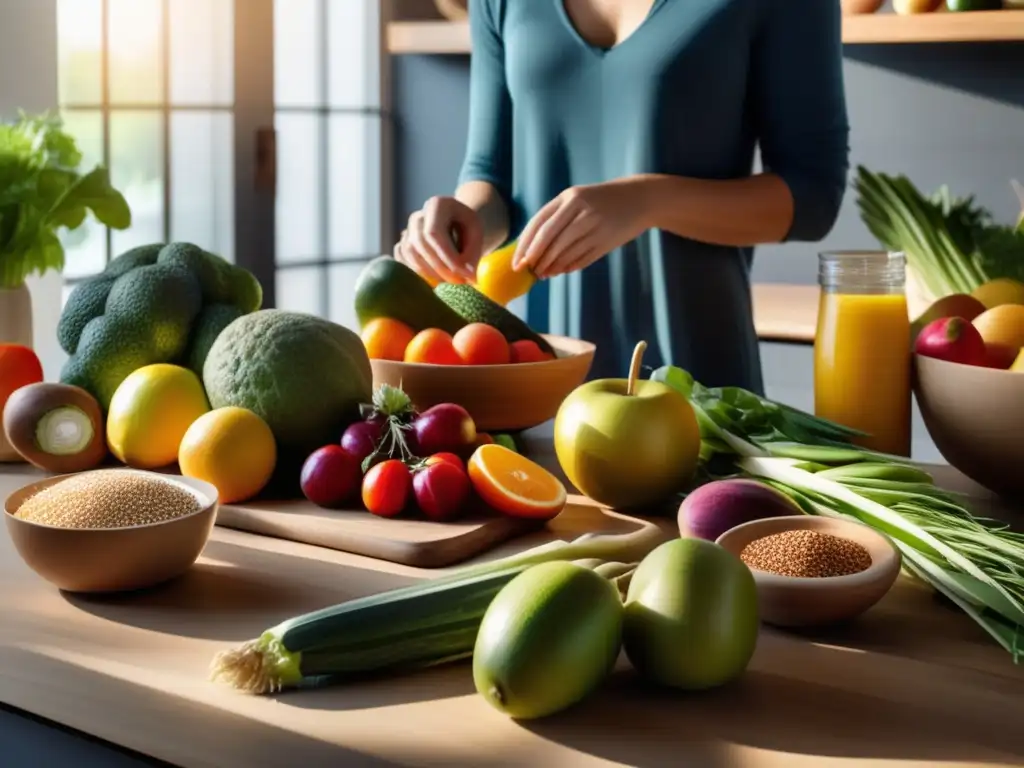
634,367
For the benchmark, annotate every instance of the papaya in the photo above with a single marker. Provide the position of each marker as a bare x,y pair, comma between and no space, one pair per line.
388,288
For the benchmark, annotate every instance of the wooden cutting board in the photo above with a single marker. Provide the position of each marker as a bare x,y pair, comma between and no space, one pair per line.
408,541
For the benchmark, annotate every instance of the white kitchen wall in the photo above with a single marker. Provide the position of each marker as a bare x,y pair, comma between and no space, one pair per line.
28,63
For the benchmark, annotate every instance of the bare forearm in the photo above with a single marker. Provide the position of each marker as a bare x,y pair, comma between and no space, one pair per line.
737,212
483,198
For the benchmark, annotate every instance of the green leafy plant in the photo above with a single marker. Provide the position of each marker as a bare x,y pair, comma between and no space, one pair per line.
43,191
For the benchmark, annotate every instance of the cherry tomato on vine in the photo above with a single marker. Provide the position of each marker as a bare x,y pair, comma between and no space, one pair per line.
386,488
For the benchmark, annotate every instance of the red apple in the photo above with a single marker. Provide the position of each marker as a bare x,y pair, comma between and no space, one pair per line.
954,340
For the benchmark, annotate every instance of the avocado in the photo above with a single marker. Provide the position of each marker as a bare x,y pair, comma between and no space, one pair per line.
474,307
55,427
388,288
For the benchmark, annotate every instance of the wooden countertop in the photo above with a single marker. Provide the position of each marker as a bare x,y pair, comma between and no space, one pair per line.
911,683
785,312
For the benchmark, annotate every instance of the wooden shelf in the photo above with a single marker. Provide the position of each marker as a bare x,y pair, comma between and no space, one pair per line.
968,27
426,37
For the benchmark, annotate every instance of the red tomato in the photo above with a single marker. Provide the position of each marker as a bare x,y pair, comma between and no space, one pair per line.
386,488
441,490
451,458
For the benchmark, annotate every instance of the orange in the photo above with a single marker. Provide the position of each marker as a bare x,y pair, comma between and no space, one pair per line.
1003,325
233,449
386,339
434,346
481,344
496,280
514,485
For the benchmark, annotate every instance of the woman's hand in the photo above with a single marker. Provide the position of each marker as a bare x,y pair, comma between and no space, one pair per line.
579,227
427,246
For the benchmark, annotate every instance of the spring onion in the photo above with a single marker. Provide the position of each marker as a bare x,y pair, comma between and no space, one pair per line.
428,623
977,564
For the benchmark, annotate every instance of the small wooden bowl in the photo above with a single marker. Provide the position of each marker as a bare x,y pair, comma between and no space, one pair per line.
788,601
975,417
112,559
498,397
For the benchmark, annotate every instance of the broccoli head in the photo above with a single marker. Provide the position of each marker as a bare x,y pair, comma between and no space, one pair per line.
153,304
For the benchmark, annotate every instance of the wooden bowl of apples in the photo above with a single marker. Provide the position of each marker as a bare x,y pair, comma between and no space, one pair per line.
500,398
969,383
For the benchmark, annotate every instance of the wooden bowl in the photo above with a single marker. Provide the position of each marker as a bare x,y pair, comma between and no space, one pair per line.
112,559
975,417
499,397
788,601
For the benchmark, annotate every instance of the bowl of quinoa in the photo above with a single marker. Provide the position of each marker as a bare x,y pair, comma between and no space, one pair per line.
111,530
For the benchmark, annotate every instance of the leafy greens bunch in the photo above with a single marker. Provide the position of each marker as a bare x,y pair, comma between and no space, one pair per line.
977,564
43,191
952,243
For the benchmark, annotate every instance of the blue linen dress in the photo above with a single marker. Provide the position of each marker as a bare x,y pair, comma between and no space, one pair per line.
692,92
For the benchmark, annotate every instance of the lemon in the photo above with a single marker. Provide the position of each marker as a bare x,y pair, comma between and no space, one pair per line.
1002,290
496,279
150,412
1018,363
233,449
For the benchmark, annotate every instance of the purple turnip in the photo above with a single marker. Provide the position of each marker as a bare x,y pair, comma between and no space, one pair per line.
714,508
331,476
444,428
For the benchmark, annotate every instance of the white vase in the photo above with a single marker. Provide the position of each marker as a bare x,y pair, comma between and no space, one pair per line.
15,328
16,316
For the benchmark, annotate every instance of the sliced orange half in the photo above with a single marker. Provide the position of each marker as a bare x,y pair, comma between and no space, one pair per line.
515,485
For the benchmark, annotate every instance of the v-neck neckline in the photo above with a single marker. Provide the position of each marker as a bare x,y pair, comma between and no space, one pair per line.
597,50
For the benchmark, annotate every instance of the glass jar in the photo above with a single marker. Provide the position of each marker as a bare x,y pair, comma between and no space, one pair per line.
862,357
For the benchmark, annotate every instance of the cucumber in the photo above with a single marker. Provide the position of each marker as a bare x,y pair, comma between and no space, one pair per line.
388,288
474,307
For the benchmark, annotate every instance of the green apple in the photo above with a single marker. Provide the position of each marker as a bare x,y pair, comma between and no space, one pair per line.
627,443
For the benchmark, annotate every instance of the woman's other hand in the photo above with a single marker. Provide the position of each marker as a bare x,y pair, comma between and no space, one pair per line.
580,226
427,244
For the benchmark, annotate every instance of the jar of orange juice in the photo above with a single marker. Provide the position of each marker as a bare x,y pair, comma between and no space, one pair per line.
862,356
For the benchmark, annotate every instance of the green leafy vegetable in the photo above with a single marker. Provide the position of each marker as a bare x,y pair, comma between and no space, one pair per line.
952,243
977,564
43,191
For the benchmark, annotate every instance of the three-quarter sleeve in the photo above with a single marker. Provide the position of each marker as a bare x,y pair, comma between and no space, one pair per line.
489,144
800,108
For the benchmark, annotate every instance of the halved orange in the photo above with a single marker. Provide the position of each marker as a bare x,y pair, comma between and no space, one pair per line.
515,485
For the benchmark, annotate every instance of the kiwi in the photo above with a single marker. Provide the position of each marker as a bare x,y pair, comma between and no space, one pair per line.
56,427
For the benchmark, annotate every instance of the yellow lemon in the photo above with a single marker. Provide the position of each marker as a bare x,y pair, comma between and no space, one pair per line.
1002,290
496,280
1018,363
233,449
150,412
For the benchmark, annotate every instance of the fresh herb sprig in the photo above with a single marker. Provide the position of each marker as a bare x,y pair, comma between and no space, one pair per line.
42,192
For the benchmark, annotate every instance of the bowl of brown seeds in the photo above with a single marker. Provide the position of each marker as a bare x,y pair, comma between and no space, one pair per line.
814,570
111,530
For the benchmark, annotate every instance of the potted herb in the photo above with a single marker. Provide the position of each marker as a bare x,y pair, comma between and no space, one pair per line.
43,194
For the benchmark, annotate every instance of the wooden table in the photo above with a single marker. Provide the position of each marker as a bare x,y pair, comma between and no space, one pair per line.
913,682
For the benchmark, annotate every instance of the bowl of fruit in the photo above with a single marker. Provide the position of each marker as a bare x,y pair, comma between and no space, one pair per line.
969,383
452,344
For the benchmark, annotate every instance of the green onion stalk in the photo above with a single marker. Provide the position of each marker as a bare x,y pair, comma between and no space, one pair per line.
978,564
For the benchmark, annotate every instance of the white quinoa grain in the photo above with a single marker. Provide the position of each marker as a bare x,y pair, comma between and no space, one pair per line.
108,499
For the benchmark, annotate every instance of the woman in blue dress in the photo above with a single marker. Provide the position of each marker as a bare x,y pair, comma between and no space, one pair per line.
615,139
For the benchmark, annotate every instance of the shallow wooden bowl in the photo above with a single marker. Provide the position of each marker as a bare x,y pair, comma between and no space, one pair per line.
975,417
112,559
498,397
787,601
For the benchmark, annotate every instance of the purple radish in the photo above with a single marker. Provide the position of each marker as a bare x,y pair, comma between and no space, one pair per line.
444,428
361,439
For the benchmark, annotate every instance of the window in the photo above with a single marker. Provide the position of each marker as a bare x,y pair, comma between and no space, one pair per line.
155,90
328,117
